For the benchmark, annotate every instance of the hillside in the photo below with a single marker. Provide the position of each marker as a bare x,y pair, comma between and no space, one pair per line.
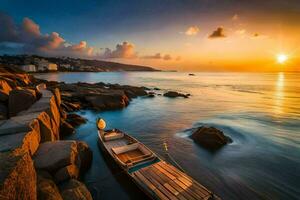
74,64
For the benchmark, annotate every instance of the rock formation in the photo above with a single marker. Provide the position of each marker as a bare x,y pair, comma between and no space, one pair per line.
210,137
173,94
31,121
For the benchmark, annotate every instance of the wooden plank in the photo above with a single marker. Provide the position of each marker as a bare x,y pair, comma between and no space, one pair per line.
201,190
148,183
155,192
168,182
188,185
151,172
164,171
154,180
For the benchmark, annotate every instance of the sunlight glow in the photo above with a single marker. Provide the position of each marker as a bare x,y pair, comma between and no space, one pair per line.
281,58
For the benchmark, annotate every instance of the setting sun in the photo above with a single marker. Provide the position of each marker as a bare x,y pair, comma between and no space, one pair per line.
281,58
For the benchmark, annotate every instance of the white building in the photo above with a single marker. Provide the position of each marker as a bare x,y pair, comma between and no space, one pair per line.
44,65
28,68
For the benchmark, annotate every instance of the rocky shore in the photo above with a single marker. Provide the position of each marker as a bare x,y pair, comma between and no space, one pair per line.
35,163
35,115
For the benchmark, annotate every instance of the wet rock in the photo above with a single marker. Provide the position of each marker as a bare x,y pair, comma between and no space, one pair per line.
66,173
85,155
4,90
47,189
173,94
75,120
71,106
52,156
192,74
111,100
66,128
20,99
210,137
74,190
3,111
17,176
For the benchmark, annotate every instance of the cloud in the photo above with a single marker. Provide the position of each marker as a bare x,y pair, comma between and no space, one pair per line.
124,50
219,33
235,17
191,31
155,56
27,38
258,36
167,57
158,56
240,31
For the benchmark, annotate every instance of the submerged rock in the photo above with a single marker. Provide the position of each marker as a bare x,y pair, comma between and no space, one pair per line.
75,120
74,190
66,128
210,137
173,94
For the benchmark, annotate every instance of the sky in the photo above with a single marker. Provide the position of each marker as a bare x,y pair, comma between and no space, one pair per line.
184,35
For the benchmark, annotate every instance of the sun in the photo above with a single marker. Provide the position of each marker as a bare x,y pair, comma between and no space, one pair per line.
281,58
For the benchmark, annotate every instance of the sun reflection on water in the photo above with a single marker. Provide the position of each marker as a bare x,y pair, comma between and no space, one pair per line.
279,94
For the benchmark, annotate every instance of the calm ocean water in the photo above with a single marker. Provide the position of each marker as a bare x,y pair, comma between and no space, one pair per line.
260,112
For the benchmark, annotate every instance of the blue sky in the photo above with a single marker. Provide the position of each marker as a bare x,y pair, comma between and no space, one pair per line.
155,26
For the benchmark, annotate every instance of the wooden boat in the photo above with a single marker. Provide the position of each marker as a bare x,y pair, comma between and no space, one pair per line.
157,178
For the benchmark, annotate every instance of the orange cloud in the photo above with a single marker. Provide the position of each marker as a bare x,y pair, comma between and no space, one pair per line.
191,31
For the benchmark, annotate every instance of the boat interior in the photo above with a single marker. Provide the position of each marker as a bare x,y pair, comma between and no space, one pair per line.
128,151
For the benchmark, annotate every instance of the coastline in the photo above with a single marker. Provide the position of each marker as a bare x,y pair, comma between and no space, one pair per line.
53,121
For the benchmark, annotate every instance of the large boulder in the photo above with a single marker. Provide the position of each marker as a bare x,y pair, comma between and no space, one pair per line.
110,100
173,94
4,90
17,176
46,128
75,120
47,189
85,155
74,190
66,173
20,99
47,103
52,156
210,137
20,134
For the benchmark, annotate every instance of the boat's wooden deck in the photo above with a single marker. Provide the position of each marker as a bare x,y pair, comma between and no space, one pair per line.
130,155
116,143
167,182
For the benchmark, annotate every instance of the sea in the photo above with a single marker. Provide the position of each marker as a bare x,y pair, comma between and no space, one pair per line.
259,111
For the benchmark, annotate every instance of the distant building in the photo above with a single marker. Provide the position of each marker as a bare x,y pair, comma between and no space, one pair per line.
67,66
28,68
44,65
